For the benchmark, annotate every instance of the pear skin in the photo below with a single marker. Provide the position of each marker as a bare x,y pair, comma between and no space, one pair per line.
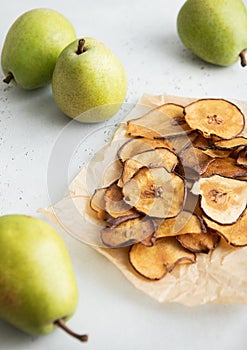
32,46
89,82
38,288
215,31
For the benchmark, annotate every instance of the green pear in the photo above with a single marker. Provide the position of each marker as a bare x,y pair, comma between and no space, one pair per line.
32,46
216,31
89,82
38,288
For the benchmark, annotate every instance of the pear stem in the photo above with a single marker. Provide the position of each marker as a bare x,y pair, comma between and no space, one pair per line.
243,58
80,48
8,78
60,323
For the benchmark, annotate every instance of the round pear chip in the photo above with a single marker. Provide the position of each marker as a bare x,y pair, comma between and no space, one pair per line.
235,234
155,192
155,261
150,158
215,117
223,199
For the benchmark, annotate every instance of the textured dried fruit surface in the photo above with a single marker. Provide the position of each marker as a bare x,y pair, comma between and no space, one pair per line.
155,192
135,146
159,157
164,121
202,242
179,194
115,206
215,117
235,234
155,261
128,232
185,222
223,199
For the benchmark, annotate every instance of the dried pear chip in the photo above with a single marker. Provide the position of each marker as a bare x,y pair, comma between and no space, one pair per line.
151,158
242,158
225,167
128,232
223,199
181,142
115,206
113,222
155,192
235,234
164,121
202,242
217,153
185,222
215,117
231,144
135,146
97,203
194,162
192,203
155,261
201,142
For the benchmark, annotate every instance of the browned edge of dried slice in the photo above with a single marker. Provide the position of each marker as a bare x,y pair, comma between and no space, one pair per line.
156,261
163,121
232,143
234,234
157,157
223,199
203,242
137,145
194,162
129,232
226,167
242,158
155,192
115,206
97,203
185,222
213,116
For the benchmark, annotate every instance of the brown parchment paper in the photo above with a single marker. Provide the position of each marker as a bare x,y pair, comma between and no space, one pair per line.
217,277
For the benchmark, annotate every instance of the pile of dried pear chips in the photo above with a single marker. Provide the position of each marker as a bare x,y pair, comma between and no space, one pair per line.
183,186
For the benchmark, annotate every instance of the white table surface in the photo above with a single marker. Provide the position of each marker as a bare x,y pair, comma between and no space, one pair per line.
113,313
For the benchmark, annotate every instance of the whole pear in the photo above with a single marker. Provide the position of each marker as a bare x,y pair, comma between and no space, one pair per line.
216,31
38,288
89,82
32,46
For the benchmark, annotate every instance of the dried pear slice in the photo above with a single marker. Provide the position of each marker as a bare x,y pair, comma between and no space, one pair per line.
194,162
202,242
155,192
181,142
128,232
113,222
225,167
156,261
201,142
185,222
215,117
135,146
151,158
235,234
223,199
115,206
97,203
164,121
231,144
217,153
242,158
192,203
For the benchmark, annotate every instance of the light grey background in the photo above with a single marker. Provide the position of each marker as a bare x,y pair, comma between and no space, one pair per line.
114,314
